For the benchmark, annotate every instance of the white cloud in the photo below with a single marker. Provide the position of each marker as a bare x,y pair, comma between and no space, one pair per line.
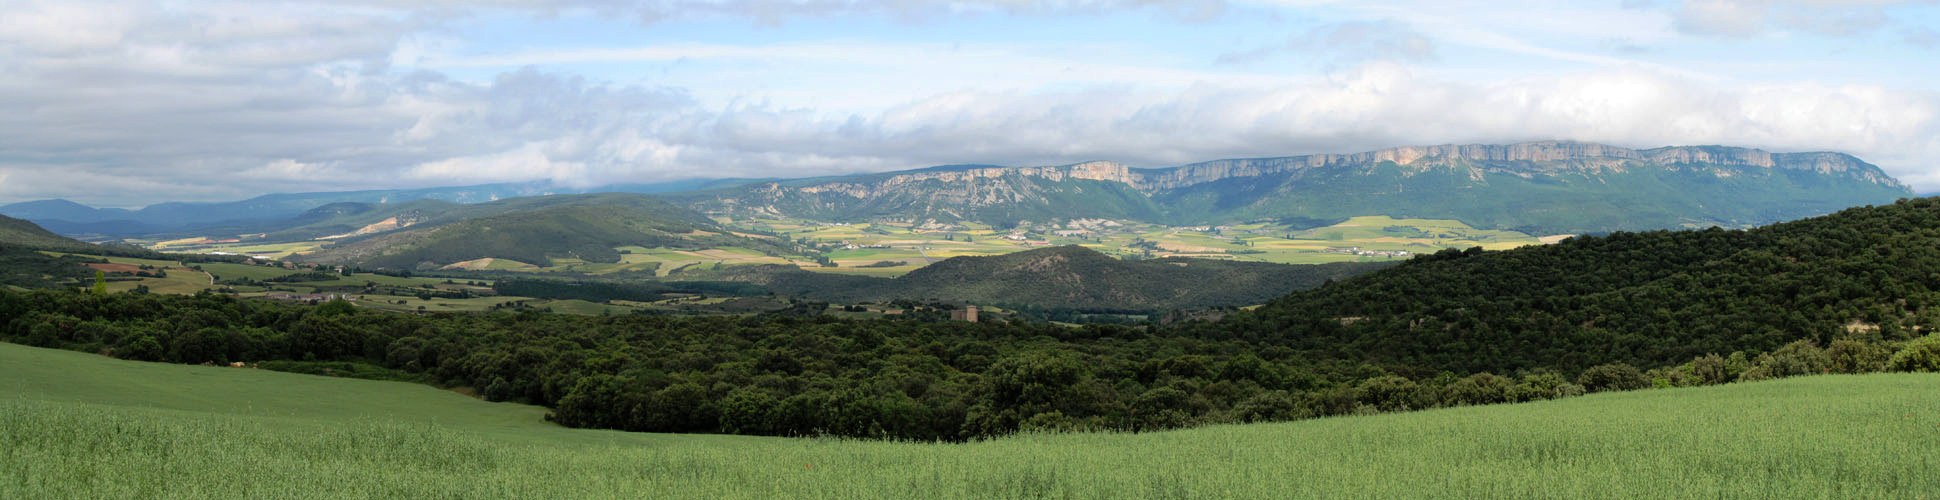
1743,18
1347,43
172,101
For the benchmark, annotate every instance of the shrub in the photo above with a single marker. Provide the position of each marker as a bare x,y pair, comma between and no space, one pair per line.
1612,377
1479,389
1853,356
1710,369
1795,359
1268,406
1920,355
1391,393
1545,385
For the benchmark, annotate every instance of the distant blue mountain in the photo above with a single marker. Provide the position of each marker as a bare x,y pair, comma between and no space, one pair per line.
67,217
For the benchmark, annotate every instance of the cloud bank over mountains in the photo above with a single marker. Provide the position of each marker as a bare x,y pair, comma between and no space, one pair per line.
136,102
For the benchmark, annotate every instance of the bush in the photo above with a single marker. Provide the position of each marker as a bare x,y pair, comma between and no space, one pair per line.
1920,355
1854,356
1795,359
1711,369
1391,393
1479,389
1269,406
1612,377
1545,385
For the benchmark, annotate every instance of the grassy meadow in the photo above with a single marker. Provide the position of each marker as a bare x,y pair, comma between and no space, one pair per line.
78,425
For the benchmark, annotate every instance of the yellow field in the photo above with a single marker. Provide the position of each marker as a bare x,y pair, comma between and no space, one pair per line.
1370,238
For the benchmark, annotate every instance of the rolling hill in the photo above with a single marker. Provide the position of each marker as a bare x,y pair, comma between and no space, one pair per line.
348,219
23,265
1538,188
534,230
1068,277
17,232
84,426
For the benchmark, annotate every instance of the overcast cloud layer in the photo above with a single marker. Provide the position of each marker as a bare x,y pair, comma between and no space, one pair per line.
130,103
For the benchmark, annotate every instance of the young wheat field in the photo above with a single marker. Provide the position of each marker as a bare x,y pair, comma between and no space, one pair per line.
75,425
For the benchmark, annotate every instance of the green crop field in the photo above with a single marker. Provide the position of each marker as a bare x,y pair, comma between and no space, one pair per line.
662,261
78,425
228,271
180,279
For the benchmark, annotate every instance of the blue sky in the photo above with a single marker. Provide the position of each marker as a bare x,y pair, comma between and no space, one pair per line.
129,103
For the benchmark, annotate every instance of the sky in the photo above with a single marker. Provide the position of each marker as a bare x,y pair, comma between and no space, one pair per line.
128,103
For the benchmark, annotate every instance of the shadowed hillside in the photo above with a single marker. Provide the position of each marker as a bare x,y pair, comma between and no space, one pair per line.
1069,277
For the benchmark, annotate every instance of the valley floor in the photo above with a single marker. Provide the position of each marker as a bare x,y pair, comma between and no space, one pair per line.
79,425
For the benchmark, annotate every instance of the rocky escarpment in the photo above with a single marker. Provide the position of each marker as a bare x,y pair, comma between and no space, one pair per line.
1532,156
1548,155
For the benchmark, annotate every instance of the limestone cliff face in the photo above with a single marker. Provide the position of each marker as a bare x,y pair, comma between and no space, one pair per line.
974,178
1538,156
996,184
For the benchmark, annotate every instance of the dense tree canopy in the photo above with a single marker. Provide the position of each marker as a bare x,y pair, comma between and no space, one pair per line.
1647,299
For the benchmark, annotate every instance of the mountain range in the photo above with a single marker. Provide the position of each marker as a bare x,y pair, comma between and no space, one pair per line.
1537,188
273,211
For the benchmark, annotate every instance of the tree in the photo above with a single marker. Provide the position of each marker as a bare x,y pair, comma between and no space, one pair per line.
100,282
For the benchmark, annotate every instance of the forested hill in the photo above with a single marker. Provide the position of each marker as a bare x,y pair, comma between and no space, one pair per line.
1065,278
1649,298
23,265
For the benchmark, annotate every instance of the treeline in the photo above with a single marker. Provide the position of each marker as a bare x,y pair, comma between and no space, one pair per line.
603,291
28,268
796,375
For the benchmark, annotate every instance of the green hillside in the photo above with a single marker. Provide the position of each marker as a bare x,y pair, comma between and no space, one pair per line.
534,231
347,218
16,232
1067,277
23,265
82,426
1644,298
